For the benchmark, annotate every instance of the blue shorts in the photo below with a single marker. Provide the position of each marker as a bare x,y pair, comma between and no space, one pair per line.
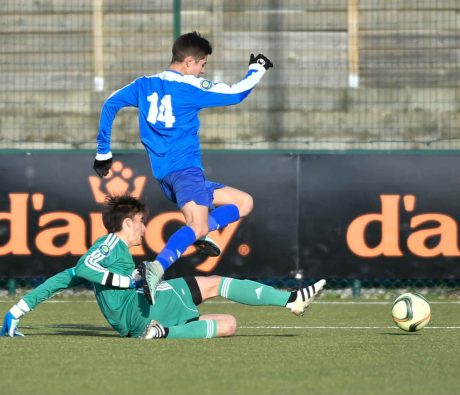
188,185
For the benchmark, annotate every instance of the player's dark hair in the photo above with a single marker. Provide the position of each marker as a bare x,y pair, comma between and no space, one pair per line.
117,208
190,44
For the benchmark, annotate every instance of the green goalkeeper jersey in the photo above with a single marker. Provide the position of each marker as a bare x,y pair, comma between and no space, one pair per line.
126,309
59,282
110,254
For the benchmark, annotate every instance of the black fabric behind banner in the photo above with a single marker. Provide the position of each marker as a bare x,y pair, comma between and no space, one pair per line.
367,216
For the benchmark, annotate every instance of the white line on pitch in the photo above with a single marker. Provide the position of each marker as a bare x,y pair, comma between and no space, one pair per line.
382,302
340,327
345,302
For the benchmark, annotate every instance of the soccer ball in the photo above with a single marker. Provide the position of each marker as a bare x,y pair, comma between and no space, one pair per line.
411,312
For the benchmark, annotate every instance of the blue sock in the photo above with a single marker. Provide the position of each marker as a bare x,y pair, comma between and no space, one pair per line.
222,216
176,245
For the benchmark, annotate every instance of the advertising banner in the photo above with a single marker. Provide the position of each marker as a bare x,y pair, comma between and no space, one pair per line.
378,216
365,216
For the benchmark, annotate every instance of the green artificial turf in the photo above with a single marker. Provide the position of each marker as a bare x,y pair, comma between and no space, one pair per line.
336,348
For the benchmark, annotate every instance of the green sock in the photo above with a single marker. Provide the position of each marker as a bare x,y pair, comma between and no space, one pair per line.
252,293
203,329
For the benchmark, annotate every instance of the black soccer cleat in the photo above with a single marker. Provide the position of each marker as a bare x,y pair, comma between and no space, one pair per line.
207,246
145,286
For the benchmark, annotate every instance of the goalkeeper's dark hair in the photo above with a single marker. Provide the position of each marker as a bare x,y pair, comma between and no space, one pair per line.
117,208
190,44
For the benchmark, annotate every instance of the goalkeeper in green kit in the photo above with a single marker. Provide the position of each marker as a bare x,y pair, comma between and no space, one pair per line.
109,266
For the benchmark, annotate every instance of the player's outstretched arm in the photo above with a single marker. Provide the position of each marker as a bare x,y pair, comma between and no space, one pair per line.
211,94
59,282
49,288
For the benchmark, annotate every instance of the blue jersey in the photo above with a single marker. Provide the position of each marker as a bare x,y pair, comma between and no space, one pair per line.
168,104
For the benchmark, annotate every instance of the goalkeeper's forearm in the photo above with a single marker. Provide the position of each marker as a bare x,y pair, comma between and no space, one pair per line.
117,280
105,277
111,279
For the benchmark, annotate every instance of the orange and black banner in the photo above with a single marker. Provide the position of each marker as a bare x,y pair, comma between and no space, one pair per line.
333,215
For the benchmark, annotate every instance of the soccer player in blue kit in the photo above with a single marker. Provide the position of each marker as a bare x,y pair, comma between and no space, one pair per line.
168,105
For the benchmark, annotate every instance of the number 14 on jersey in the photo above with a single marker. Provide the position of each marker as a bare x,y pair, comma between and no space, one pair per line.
162,112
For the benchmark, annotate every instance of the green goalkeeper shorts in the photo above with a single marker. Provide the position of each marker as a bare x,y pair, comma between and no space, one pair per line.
175,304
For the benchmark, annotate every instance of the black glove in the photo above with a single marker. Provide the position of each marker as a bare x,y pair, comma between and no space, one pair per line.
102,167
262,60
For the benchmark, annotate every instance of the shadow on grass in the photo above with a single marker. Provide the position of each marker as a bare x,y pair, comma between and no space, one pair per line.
75,330
95,331
266,335
81,327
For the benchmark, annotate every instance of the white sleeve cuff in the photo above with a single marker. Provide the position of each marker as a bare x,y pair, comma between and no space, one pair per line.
104,277
23,306
106,156
120,281
258,67
125,282
17,311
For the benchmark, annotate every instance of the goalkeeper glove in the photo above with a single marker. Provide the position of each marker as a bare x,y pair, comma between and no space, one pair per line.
136,279
102,167
11,320
260,59
10,326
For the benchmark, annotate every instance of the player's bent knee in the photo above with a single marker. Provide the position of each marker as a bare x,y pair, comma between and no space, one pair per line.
214,282
246,205
209,286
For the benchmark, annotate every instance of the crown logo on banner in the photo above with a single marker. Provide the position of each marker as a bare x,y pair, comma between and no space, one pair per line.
120,180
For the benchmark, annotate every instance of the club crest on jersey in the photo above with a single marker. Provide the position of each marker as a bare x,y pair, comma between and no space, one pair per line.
104,250
206,84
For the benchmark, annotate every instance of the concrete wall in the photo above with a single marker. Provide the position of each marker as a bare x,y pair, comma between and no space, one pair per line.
409,65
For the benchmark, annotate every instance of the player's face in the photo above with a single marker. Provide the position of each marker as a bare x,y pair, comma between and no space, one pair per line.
197,67
137,229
